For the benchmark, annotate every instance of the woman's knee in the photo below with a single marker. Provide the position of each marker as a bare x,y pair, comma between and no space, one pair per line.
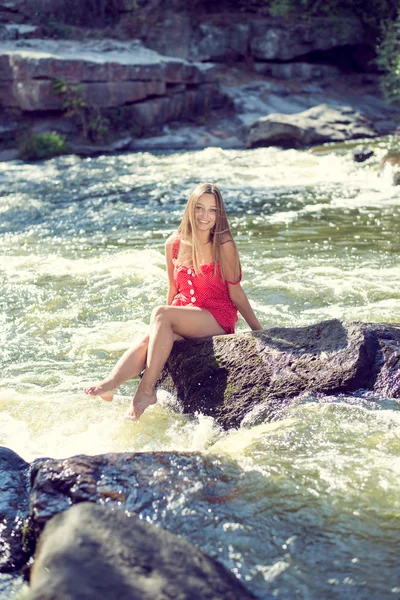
145,340
160,313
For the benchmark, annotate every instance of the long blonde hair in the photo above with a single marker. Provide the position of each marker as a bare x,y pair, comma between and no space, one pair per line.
221,231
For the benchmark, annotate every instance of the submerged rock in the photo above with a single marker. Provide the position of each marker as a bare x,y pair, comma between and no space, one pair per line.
92,552
362,154
14,510
229,376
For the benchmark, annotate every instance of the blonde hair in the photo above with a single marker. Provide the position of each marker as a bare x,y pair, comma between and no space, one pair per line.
219,234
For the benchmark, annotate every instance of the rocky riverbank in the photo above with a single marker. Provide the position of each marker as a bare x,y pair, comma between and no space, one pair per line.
228,80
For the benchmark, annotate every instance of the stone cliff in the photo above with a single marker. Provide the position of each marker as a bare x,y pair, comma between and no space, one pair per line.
165,76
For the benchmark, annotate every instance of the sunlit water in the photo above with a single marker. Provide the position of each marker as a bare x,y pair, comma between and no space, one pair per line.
82,265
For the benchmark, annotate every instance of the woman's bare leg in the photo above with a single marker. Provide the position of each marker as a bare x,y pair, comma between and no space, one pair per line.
166,322
131,363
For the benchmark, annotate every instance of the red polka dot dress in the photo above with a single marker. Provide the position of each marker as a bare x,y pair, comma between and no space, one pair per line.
205,290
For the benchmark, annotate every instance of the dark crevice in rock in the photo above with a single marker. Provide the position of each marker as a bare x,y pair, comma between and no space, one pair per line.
358,58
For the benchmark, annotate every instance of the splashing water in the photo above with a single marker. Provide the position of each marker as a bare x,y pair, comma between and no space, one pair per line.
82,266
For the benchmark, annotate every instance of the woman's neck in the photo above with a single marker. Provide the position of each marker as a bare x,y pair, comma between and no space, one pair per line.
203,237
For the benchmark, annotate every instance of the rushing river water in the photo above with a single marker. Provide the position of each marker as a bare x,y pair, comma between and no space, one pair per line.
82,265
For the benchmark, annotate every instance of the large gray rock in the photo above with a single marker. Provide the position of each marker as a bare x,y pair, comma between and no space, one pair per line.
227,377
322,123
143,483
90,552
110,74
14,510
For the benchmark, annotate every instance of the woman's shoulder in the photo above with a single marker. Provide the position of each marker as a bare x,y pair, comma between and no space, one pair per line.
226,237
170,241
172,245
228,246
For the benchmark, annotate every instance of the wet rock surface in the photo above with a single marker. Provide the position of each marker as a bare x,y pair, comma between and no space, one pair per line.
145,484
157,488
227,377
14,509
92,552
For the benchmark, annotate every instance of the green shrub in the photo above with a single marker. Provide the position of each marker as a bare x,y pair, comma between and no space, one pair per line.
38,146
94,125
372,13
388,59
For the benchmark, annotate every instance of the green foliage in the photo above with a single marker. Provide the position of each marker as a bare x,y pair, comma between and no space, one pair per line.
372,13
81,13
38,146
388,59
282,8
94,125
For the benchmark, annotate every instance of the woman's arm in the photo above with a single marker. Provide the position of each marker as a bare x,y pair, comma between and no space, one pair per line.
236,292
240,300
172,290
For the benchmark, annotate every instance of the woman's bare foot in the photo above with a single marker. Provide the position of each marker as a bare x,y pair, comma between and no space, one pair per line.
103,389
140,402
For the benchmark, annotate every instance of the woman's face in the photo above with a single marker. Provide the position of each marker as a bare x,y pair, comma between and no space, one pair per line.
205,212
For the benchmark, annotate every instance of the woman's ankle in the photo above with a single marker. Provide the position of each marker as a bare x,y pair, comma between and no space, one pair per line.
146,388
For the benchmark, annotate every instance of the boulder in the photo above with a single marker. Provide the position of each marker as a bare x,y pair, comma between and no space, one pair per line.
322,123
147,484
183,492
109,74
90,551
228,377
14,510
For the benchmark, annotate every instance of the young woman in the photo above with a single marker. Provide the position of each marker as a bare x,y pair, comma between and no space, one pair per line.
204,297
